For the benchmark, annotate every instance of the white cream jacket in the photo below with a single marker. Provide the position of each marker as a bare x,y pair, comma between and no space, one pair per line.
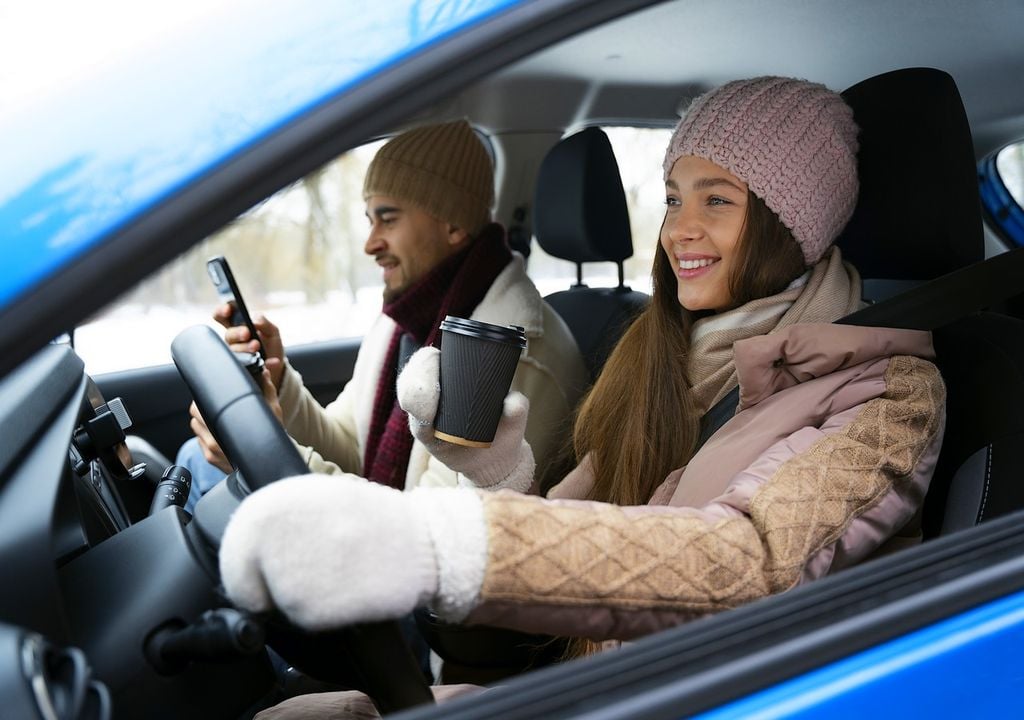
551,374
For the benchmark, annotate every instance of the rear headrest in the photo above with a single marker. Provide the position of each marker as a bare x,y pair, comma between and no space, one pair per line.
919,212
579,209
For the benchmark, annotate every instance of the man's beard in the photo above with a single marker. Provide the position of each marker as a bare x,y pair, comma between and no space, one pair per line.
392,294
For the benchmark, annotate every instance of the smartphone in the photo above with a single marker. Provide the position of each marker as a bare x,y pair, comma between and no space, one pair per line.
227,289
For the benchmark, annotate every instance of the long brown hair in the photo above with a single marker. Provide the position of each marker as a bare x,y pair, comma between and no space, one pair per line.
638,422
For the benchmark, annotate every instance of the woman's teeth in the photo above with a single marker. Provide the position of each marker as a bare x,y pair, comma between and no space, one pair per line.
694,264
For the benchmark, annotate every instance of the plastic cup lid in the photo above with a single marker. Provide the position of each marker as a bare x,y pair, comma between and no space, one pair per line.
510,334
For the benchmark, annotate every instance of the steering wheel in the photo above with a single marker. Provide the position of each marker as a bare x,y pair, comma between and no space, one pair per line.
372,657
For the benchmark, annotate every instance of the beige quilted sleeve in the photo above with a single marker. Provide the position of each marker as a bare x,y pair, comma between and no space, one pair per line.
580,568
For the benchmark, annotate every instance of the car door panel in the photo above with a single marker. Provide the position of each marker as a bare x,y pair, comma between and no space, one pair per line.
157,398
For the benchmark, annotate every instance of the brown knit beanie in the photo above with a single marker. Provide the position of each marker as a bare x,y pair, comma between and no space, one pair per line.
442,169
793,142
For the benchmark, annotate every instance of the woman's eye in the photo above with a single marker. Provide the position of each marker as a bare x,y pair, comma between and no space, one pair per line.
716,200
672,201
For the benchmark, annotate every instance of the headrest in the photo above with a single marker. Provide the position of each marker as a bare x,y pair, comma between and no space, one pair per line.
919,212
579,209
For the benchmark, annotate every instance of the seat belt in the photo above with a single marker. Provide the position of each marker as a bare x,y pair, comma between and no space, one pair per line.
930,306
718,416
407,345
939,302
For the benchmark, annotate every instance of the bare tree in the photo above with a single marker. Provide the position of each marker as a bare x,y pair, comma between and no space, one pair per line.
316,254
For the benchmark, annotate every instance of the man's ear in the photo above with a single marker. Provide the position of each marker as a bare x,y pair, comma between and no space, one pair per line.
457,237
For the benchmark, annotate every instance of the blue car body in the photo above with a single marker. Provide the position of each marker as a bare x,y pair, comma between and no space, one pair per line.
946,670
112,144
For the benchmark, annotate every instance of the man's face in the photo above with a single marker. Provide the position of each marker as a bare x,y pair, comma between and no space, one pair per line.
406,242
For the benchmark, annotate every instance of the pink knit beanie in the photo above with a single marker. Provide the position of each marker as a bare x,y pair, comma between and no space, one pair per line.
793,142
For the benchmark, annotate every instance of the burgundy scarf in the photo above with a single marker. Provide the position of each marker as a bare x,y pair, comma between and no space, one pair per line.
455,287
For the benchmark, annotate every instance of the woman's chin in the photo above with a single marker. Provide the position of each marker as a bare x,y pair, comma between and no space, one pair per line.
700,303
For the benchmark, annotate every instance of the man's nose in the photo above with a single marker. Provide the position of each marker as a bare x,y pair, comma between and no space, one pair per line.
374,242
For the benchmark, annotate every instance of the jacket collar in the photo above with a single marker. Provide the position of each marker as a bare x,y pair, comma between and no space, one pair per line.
767,364
513,299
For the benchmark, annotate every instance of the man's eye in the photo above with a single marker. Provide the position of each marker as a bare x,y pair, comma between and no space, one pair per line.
672,201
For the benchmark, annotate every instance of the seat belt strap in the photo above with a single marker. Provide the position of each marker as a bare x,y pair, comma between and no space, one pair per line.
939,302
718,416
962,292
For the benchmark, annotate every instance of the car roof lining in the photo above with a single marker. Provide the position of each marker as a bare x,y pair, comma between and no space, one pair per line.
639,67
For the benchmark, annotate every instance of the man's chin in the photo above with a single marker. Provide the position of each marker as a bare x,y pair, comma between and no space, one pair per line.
392,294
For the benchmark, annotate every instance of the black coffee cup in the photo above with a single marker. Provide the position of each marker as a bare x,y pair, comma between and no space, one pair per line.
478,361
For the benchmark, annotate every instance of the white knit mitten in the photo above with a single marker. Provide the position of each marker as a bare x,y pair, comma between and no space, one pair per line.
330,551
507,463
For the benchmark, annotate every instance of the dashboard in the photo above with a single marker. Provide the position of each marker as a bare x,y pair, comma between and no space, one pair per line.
88,573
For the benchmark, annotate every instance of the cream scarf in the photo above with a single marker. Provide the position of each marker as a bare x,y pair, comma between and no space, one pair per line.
825,293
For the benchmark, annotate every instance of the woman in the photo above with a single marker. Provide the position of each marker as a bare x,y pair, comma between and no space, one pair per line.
825,463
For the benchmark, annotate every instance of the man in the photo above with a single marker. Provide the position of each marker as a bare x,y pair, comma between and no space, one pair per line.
428,196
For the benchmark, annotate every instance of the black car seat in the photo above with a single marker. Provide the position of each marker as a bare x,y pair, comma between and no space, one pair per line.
980,475
918,214
580,215
919,217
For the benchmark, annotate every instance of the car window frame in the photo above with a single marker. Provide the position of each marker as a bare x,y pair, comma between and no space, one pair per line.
364,110
1002,211
708,662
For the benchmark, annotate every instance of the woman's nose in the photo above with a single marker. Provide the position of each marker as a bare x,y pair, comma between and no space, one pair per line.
683,225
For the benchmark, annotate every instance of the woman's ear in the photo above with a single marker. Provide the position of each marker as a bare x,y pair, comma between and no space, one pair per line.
457,236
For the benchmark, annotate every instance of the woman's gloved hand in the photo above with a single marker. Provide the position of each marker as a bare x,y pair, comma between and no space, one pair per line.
507,464
330,551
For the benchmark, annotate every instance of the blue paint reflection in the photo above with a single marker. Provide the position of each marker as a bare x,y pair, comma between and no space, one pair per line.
94,154
29,220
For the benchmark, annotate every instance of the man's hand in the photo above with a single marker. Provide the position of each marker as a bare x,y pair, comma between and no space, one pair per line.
240,339
211,450
270,394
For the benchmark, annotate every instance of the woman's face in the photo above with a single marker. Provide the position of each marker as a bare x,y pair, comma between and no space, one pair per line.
705,210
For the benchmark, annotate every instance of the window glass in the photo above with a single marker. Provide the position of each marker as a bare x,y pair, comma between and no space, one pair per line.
1010,164
297,257
639,153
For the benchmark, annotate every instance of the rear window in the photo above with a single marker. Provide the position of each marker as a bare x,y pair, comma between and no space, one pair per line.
639,153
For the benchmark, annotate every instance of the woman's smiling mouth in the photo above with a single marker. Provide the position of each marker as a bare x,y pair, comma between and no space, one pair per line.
694,266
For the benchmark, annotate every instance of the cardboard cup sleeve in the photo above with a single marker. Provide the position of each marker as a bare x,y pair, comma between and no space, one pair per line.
478,361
